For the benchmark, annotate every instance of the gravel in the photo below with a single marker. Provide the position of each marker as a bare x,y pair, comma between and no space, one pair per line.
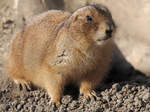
117,97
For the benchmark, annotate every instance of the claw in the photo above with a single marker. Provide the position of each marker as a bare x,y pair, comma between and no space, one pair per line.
93,93
55,103
23,85
89,95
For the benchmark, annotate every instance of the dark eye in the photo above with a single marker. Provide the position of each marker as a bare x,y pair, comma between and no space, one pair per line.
89,18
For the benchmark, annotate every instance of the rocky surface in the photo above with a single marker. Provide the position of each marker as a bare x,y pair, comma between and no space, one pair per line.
114,97
129,95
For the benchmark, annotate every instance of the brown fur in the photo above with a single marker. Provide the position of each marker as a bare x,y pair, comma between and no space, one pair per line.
56,48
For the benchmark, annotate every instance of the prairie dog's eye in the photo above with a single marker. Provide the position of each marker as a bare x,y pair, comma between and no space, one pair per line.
89,18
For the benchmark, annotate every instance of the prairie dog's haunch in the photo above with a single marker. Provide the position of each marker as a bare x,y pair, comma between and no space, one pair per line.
56,48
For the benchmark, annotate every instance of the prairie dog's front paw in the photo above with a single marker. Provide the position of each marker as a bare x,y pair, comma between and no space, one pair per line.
23,84
89,94
55,94
55,102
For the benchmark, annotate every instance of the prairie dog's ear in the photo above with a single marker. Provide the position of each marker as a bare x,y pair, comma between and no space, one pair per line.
70,20
75,18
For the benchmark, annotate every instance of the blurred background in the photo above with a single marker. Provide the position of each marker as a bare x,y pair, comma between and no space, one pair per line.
132,18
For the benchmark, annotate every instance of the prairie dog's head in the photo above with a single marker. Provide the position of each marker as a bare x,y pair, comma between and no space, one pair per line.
92,23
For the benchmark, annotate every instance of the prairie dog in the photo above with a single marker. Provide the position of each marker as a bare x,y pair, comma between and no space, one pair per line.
56,48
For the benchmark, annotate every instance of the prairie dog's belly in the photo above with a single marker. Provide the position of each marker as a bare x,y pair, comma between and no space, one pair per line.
74,65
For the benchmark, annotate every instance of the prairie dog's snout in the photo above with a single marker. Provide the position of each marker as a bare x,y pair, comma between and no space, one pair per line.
111,27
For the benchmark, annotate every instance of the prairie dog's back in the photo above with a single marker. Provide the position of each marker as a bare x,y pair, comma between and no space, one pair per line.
33,40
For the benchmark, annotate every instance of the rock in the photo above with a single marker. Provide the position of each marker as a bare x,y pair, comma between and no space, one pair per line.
146,96
2,107
62,108
66,100
73,105
19,106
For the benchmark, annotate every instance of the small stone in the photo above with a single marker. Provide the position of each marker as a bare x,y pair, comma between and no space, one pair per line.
106,106
2,107
138,103
107,98
146,96
148,106
62,108
19,107
40,108
7,107
66,99
119,101
99,109
81,106
116,86
131,111
36,99
119,96
73,105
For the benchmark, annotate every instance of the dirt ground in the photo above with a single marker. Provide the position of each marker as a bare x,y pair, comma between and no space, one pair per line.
113,96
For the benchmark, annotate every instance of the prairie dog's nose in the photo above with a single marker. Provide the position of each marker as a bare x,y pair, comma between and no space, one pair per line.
109,32
110,29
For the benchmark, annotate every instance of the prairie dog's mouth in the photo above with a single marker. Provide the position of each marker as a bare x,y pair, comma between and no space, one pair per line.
103,39
102,36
